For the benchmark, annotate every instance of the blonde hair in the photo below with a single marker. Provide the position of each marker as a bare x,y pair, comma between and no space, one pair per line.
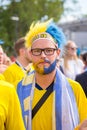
65,53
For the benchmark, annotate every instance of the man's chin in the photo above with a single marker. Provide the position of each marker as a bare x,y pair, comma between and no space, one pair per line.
39,70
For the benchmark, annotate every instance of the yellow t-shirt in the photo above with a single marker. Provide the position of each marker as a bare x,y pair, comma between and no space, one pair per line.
2,77
43,119
81,99
45,108
14,74
10,112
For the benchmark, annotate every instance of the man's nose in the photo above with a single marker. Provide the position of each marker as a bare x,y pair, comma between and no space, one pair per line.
43,54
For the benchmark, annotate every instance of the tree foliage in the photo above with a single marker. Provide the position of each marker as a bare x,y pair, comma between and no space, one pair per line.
27,11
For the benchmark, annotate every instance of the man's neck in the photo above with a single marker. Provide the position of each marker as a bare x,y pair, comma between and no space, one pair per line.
22,61
45,80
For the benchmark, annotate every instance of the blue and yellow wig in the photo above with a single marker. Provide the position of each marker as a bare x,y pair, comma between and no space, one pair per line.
49,27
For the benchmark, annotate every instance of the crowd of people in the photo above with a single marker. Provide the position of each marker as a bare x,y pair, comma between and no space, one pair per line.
45,87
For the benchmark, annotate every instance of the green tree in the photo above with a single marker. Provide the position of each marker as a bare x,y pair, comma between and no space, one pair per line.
27,11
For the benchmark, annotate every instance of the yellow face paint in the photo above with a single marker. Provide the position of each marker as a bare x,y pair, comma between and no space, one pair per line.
39,69
45,70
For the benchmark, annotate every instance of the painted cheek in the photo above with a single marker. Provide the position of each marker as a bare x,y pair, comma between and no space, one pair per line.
38,69
50,68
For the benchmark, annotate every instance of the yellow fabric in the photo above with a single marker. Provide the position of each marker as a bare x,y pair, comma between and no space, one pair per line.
14,74
10,112
2,77
77,128
81,100
47,107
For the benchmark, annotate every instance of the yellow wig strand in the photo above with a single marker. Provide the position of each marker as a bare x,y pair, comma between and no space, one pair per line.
35,29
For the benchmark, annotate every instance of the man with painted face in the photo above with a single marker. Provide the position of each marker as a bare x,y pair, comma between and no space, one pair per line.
49,100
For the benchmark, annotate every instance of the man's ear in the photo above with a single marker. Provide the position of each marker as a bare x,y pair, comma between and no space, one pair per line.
58,51
21,51
30,53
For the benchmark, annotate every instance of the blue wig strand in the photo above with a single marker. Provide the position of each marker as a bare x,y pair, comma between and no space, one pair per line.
57,34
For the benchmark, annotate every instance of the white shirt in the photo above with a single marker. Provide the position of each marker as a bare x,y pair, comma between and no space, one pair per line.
75,67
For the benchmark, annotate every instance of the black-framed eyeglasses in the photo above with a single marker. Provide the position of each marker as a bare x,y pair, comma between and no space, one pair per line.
47,51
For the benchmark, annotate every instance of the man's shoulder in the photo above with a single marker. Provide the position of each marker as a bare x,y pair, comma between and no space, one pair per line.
28,79
12,70
6,87
11,67
75,85
5,83
72,82
24,86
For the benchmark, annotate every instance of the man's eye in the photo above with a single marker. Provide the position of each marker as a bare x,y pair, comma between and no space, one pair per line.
36,50
48,50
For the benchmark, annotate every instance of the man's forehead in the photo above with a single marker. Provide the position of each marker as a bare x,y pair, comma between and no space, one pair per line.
47,43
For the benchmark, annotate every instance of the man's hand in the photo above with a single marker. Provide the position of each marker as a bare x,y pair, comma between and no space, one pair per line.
83,125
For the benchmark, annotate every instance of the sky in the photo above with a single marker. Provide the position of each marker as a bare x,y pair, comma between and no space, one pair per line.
80,9
83,5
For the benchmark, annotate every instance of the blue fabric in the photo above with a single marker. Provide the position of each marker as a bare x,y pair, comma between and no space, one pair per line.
23,92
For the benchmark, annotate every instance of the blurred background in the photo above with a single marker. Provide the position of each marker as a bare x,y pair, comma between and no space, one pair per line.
17,15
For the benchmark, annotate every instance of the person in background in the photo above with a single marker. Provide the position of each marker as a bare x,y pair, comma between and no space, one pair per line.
1,55
71,64
3,66
7,60
48,99
82,78
10,111
13,57
59,66
3,61
15,72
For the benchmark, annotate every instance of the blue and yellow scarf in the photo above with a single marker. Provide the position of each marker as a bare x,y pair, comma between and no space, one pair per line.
65,113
